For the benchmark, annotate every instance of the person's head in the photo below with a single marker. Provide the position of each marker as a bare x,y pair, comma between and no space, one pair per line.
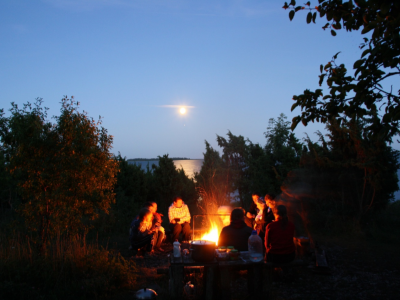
270,200
280,213
153,207
145,215
237,214
260,203
255,195
178,201
148,205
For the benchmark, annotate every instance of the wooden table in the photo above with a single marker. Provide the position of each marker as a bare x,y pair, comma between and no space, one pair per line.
213,270
176,275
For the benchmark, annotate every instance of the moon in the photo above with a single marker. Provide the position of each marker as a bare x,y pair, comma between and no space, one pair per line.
182,110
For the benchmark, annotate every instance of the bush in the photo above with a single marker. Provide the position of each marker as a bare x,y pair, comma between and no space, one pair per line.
67,270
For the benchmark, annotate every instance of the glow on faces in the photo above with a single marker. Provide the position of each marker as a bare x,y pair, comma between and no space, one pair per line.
178,203
148,218
270,203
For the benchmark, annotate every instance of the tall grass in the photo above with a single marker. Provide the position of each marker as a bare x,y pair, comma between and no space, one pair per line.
68,268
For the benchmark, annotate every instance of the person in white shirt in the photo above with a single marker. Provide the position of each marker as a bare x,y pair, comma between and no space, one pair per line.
179,219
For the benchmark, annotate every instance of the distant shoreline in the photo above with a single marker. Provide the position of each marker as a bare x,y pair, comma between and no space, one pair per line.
152,159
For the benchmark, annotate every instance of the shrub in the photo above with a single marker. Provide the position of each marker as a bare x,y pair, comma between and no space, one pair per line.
67,270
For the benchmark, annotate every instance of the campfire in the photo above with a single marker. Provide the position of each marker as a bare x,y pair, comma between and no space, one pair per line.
209,226
213,234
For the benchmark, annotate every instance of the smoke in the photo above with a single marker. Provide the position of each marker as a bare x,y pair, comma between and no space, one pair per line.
297,195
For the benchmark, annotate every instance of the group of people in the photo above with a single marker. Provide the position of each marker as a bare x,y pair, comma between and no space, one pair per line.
272,225
146,231
265,216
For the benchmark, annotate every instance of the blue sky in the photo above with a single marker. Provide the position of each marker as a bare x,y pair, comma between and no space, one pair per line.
236,63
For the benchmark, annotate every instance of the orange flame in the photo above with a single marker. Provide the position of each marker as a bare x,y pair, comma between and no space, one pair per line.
213,234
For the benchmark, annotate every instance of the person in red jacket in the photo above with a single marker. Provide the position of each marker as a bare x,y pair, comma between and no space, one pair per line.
279,238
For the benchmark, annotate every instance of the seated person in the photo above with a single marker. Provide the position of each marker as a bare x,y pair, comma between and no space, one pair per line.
237,233
253,211
143,234
179,218
157,220
271,204
279,238
157,217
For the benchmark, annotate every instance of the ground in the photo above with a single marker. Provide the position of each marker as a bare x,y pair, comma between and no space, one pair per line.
359,269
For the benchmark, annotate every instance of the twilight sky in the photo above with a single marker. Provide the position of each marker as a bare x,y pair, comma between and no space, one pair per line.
234,63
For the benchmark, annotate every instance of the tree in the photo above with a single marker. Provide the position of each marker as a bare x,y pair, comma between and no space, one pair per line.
234,157
368,93
245,167
283,150
212,181
348,174
132,191
65,170
170,182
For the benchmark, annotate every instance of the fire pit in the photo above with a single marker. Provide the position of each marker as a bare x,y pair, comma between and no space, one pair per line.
206,230
202,251
207,227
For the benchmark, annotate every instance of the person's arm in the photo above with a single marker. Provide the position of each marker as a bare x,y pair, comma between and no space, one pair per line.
171,216
251,214
145,229
186,217
157,219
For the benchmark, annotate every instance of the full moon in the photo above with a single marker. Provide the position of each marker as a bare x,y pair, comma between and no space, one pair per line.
182,110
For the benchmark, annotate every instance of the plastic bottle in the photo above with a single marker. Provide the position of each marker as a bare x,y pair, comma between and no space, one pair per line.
255,247
177,249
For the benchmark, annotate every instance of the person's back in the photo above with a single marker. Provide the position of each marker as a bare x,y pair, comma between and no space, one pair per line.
279,237
280,240
237,233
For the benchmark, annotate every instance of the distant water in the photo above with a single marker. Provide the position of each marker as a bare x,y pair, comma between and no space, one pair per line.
189,165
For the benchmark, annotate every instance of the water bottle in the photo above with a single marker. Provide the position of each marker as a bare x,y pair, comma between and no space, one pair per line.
255,247
177,249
